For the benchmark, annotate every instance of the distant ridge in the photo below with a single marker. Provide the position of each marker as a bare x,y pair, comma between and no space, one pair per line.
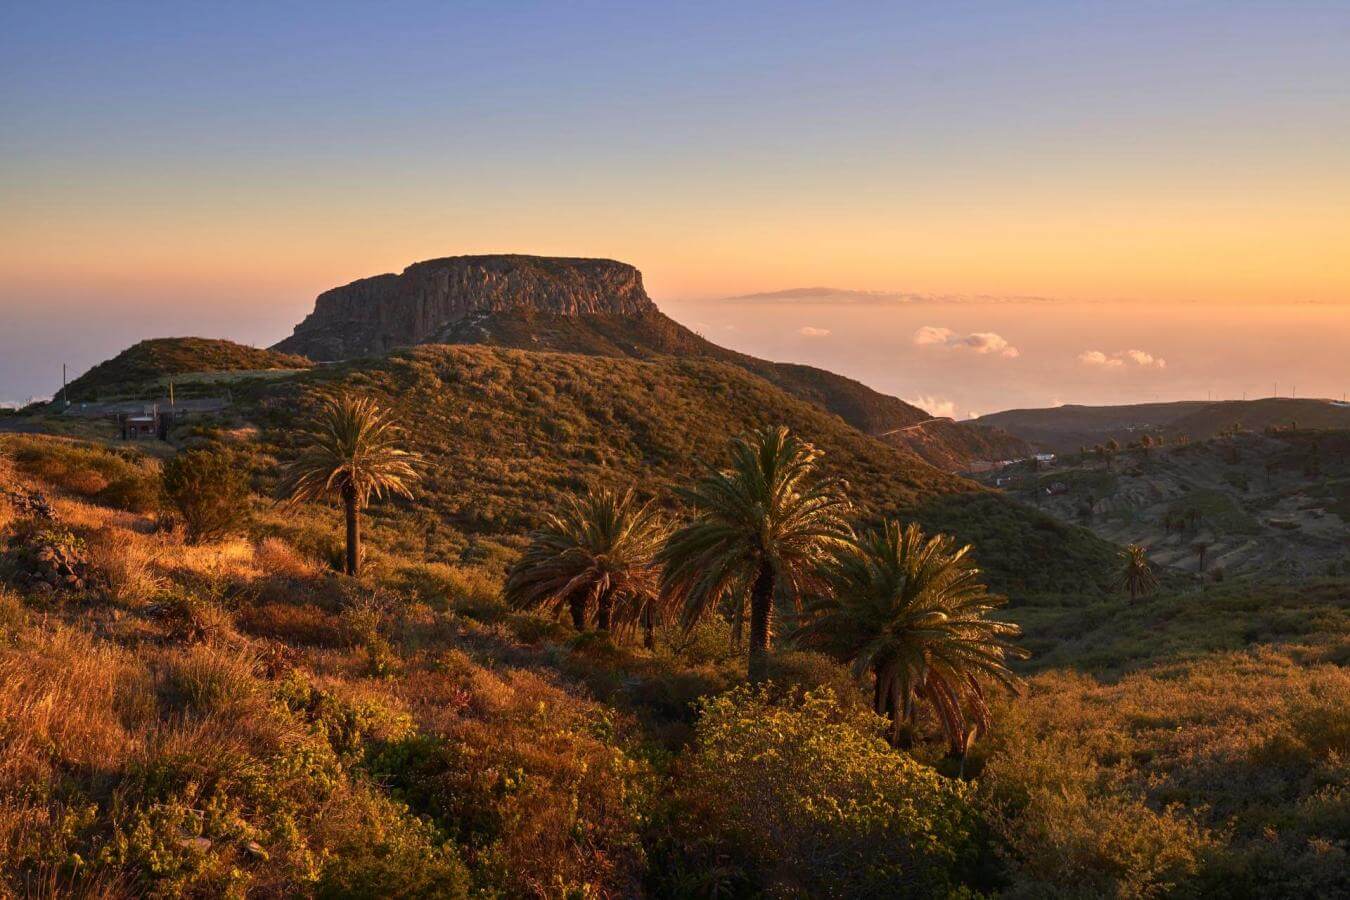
1066,428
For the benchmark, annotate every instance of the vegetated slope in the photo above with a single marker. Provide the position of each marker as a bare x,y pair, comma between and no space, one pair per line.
1212,723
158,358
509,433
1258,415
959,446
652,333
593,306
1273,504
1067,428
265,726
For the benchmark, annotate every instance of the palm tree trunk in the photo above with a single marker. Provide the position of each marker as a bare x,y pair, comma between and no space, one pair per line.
761,620
901,738
648,629
353,513
604,608
577,606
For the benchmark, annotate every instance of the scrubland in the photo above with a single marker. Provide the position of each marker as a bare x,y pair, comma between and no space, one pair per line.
234,718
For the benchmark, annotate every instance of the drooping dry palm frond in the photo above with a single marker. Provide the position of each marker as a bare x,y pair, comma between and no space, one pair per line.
763,528
596,558
352,449
912,611
1136,575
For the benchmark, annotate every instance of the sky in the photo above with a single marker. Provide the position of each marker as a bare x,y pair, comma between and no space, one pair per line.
1072,178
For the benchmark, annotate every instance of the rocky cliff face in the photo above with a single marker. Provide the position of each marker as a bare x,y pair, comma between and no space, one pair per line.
428,299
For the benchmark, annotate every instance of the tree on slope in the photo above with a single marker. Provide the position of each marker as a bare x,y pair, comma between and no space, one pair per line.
1136,574
351,450
598,556
762,530
912,611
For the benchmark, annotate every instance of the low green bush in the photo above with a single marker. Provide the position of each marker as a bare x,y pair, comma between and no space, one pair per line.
209,489
801,797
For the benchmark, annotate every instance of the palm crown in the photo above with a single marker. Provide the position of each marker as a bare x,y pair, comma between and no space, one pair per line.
763,527
351,450
912,611
597,556
1136,574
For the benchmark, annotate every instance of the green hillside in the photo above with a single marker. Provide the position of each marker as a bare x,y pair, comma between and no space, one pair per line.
655,334
508,433
1257,415
151,360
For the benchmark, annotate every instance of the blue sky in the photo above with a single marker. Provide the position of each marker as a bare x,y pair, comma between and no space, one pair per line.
211,167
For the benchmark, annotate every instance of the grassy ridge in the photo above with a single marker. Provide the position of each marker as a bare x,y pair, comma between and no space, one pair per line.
157,358
507,433
655,334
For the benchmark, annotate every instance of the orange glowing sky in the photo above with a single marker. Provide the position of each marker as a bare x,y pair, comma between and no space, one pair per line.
164,171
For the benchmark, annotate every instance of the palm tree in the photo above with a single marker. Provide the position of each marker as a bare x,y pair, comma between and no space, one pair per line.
598,554
912,611
763,528
1201,548
1136,574
351,450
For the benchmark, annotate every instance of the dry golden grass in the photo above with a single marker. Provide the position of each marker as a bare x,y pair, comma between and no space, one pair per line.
274,556
297,624
67,703
127,562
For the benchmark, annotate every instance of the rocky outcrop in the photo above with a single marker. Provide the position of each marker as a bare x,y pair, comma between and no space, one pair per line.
375,315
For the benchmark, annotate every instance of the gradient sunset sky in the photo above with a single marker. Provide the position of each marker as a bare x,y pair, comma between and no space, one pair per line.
1166,178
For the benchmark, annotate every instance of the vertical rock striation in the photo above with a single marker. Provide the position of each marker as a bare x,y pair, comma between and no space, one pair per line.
375,315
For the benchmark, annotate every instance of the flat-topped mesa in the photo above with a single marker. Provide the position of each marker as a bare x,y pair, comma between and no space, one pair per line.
375,315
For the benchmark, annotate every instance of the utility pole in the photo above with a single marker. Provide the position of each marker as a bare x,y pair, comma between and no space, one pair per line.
65,399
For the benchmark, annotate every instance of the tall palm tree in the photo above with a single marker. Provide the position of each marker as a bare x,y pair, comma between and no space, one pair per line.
351,450
598,555
762,529
1201,548
1136,574
912,611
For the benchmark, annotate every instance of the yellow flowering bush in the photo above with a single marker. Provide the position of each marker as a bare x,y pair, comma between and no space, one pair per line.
800,796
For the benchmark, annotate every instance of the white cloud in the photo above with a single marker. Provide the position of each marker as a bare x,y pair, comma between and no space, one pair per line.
931,334
1117,360
1100,360
982,342
935,406
813,331
1144,358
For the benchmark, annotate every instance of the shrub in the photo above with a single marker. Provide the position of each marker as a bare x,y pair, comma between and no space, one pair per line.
209,489
802,797
1070,826
124,478
387,853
